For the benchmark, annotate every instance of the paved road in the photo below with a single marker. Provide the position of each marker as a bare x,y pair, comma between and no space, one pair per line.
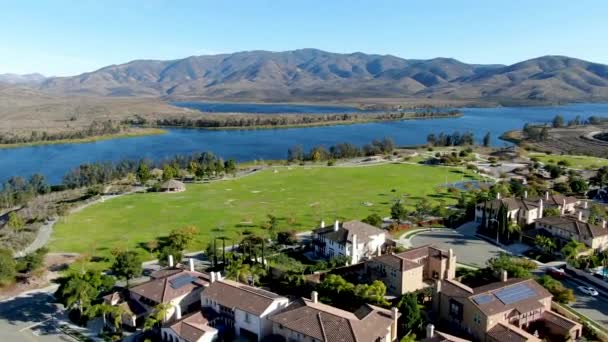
594,307
469,250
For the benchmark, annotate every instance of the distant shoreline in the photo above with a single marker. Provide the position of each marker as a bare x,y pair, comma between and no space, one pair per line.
130,134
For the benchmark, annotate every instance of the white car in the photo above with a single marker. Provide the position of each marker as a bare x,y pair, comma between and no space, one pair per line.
588,290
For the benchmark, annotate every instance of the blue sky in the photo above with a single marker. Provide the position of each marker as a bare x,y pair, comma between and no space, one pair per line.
62,37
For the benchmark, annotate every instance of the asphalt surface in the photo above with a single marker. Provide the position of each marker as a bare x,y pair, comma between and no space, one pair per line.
469,250
594,307
31,318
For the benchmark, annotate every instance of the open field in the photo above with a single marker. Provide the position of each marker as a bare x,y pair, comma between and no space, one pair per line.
576,162
300,195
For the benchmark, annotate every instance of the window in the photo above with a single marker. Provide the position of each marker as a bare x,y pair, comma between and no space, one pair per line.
247,319
455,310
477,318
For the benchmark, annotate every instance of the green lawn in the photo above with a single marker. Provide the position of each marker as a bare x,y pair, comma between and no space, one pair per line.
577,162
300,195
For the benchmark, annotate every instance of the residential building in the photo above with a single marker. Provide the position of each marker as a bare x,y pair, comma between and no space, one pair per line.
191,328
433,335
353,239
307,320
566,228
241,308
179,287
413,269
524,210
508,310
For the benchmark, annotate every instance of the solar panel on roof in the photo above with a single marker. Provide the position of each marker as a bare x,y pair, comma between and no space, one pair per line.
181,281
482,299
515,293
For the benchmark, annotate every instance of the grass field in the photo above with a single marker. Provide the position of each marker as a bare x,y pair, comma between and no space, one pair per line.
577,162
299,196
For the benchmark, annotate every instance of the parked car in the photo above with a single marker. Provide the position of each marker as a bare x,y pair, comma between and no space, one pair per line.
557,273
588,290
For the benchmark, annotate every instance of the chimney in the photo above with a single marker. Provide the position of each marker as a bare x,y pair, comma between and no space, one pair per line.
498,195
191,264
322,224
546,195
379,252
585,204
603,223
430,331
504,276
564,207
314,296
355,253
438,286
336,225
395,317
580,215
212,274
178,312
541,208
525,193
170,260
218,276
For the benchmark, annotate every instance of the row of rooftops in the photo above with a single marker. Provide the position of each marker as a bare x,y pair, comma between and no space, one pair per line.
526,203
408,259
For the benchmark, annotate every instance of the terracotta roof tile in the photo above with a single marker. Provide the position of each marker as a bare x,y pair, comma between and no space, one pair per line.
231,294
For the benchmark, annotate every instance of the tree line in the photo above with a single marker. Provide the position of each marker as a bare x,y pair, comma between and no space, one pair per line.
454,139
223,121
340,151
95,129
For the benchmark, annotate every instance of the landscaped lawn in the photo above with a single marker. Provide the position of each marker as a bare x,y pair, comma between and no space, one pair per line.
299,196
577,162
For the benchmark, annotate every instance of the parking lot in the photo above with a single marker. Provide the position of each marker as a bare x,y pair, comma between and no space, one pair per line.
32,317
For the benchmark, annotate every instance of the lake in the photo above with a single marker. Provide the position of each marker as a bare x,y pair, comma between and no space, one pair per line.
244,145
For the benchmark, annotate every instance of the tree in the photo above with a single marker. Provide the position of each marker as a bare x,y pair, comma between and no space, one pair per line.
398,211
143,173
230,166
239,271
515,267
271,225
551,212
166,251
78,294
374,220
169,172
256,272
596,214
295,153
411,316
572,249
545,243
127,265
560,293
287,237
158,316
180,238
487,140
578,185
513,228
601,177
33,261
7,267
15,221
558,121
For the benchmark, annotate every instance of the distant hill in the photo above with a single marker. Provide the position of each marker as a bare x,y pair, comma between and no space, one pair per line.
315,74
15,79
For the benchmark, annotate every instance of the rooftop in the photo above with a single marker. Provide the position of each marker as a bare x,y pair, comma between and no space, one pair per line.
574,226
407,260
192,327
235,295
327,323
347,230
169,284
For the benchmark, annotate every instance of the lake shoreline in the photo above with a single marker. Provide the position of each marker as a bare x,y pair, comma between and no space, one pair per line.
129,134
314,124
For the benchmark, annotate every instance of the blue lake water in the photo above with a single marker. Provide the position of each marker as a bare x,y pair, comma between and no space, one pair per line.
243,145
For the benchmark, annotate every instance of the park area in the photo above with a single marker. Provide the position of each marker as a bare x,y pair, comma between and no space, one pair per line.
299,196
575,162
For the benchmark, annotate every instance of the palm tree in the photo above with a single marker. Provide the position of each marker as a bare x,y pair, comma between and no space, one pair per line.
158,316
257,272
513,228
239,271
572,249
545,243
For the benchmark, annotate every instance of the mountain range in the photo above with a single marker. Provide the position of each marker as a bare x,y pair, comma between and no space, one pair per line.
16,79
310,74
